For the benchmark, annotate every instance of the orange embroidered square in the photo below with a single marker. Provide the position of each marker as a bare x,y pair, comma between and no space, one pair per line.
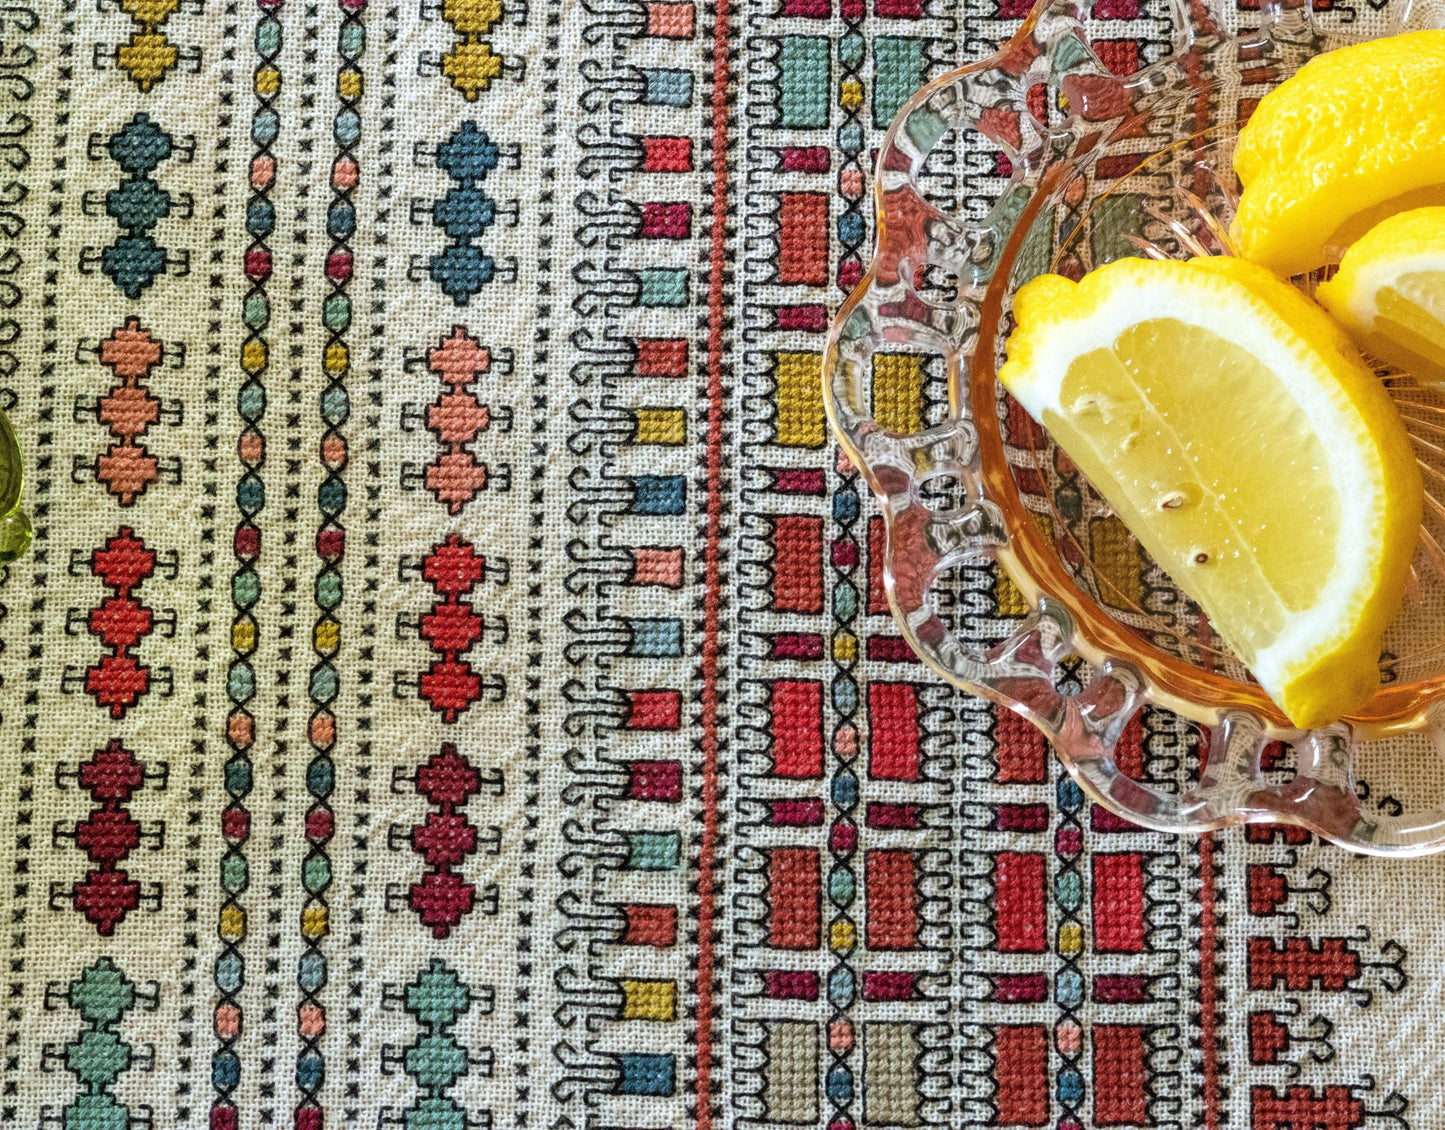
1021,1072
892,900
652,565
670,21
1119,903
1021,751
798,563
1119,1075
803,238
794,898
1120,55
661,357
893,731
1019,911
650,926
797,728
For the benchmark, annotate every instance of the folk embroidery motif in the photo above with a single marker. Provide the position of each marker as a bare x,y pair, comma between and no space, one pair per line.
452,683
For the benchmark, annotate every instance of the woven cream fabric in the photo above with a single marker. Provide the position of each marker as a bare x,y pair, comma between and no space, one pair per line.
449,686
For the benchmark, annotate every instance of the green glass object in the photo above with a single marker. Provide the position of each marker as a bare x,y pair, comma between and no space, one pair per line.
14,525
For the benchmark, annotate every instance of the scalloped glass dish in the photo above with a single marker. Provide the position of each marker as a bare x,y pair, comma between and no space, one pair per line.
1087,635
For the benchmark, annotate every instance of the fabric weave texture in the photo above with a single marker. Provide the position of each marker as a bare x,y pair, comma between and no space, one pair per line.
451,684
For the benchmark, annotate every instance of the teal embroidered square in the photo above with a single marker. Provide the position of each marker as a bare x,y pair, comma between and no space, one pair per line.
663,287
654,851
647,1074
667,87
898,68
804,82
659,495
656,639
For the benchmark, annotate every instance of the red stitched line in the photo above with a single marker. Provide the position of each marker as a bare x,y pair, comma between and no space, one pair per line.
1208,998
710,573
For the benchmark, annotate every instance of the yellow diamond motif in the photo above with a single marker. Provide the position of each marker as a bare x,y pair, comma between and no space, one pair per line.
149,12
313,922
233,923
253,356
146,58
471,68
471,17
243,636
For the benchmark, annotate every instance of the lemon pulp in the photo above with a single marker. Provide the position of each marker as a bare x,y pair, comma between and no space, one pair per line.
1185,468
1230,424
1412,315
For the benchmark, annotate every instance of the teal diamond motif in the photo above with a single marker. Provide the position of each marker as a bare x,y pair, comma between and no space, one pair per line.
436,1113
133,263
139,146
96,1112
437,996
138,204
97,1058
102,995
436,1061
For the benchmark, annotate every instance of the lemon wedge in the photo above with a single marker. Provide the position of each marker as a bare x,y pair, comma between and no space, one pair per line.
1357,134
1389,292
1232,427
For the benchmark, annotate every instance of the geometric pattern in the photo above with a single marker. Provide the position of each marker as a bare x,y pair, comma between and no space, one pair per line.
451,684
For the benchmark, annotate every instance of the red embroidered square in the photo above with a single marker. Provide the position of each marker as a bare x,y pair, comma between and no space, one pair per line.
798,729
654,710
656,780
667,154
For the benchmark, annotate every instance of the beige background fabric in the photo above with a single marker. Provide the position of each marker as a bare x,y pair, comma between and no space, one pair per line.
548,761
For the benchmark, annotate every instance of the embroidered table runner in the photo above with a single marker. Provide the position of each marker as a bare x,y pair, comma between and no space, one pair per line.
450,685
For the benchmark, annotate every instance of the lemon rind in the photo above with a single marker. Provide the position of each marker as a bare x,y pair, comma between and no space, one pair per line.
1307,167
1340,398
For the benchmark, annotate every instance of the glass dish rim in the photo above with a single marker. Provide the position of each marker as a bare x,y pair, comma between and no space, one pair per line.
1128,672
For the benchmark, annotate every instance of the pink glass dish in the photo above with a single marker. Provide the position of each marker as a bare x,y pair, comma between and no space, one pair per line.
992,533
